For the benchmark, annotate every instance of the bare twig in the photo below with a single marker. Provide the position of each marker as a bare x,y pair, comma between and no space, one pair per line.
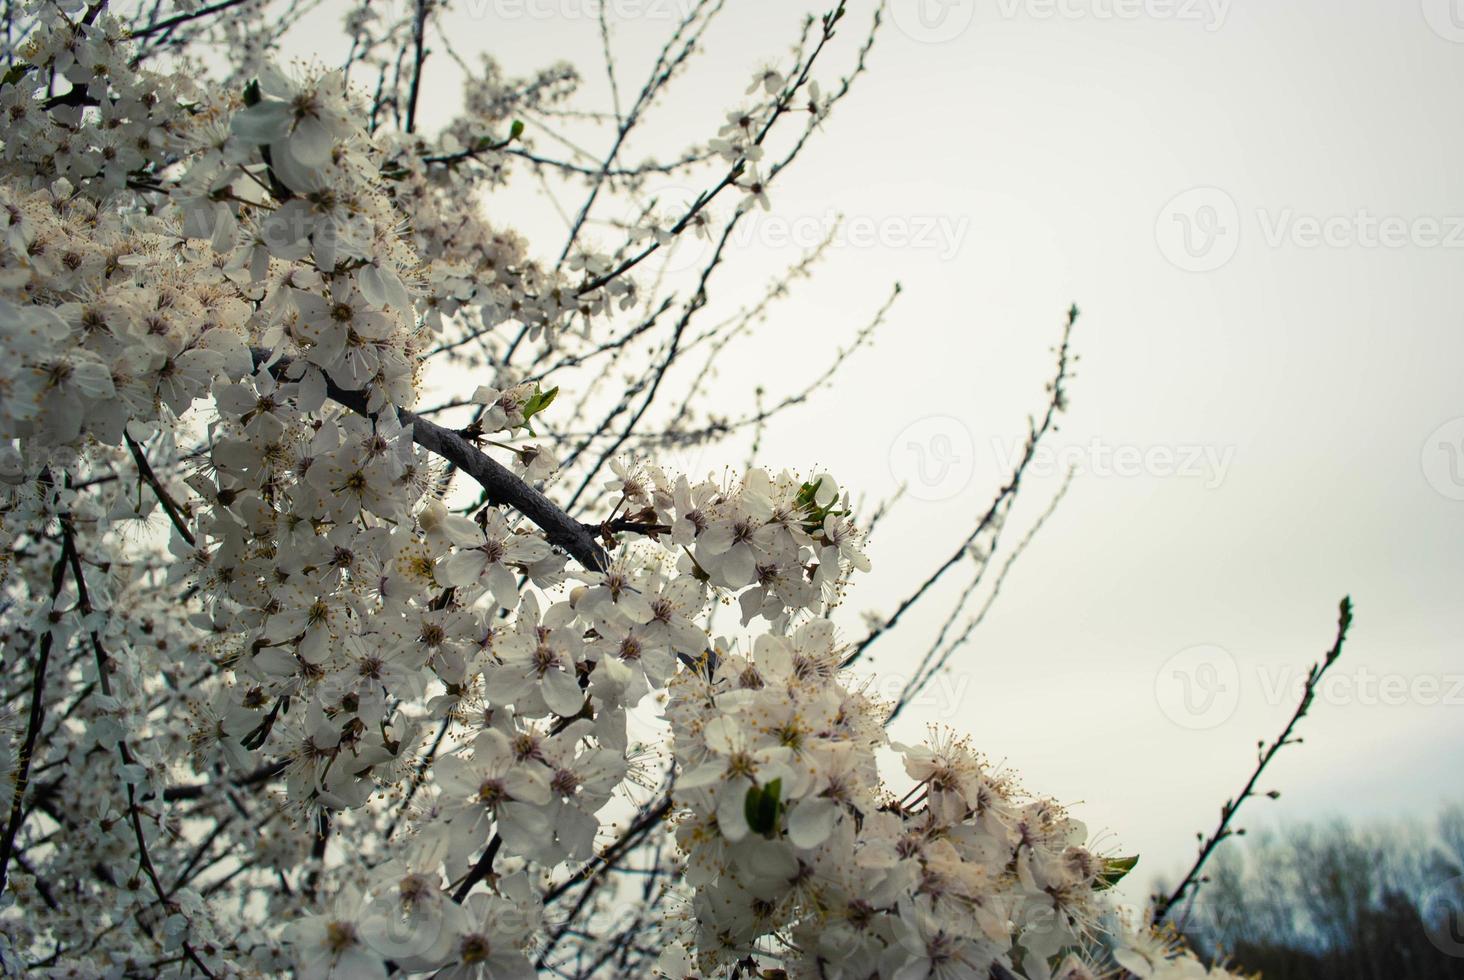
934,662
1165,904
170,506
33,723
419,57
171,22
1056,403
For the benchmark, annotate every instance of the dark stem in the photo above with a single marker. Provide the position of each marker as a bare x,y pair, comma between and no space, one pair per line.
481,870
33,724
418,57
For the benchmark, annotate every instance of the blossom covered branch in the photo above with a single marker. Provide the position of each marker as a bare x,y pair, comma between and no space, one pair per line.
297,704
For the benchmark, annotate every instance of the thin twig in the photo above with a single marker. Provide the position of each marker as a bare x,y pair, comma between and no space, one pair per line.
1163,905
1056,403
419,56
33,723
145,470
184,18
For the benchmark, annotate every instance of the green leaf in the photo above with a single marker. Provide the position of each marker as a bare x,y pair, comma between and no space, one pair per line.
537,402
15,74
761,807
807,492
516,130
251,93
807,501
1114,870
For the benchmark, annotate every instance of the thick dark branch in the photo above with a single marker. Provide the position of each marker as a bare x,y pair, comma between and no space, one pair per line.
1164,905
500,485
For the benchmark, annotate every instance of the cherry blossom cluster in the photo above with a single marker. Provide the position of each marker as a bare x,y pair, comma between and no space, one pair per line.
782,545
115,123
798,852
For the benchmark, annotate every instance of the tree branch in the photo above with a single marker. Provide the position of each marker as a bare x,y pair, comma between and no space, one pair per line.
1164,905
1055,404
183,18
33,724
500,485
170,506
419,56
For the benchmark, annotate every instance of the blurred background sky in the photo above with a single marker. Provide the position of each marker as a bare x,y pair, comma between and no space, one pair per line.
1259,207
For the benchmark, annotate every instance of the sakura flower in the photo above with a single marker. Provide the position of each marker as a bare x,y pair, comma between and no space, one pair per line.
489,562
342,331
314,620
730,546
672,609
489,933
617,594
329,946
301,119
737,762
690,507
492,788
537,663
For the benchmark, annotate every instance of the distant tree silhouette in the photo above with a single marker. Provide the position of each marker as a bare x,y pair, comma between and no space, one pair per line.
1380,902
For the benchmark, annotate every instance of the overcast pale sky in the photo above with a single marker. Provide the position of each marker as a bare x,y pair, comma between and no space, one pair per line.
1259,206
